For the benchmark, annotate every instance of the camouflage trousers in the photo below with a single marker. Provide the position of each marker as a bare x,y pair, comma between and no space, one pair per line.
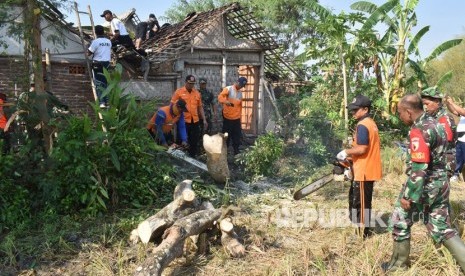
450,163
434,210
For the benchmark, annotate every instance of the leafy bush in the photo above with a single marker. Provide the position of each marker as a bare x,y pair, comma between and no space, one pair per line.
14,197
260,157
92,169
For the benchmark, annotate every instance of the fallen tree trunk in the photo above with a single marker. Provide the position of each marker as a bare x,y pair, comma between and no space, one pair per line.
173,240
184,204
230,240
217,162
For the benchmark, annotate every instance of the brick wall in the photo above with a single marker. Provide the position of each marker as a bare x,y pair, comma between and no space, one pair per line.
69,82
11,73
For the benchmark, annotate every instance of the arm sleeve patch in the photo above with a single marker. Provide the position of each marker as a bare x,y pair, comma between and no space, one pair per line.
362,135
443,121
419,150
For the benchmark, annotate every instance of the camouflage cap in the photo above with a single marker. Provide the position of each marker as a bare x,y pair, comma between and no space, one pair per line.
432,92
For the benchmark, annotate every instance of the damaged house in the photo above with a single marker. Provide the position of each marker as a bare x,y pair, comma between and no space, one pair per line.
220,45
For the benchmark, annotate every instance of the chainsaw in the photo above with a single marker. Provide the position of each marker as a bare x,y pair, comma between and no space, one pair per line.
177,152
180,154
342,171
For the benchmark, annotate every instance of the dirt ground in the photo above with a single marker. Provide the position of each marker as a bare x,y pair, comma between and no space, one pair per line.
282,236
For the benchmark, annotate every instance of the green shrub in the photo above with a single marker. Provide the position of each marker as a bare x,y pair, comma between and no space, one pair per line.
260,157
92,170
14,197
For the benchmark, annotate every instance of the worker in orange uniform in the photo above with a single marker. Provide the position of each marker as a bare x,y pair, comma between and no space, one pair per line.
231,99
366,156
161,124
193,114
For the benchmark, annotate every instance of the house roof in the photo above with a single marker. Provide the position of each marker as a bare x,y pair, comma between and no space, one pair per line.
174,39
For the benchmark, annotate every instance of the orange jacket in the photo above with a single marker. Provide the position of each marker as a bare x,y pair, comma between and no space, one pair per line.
3,118
193,102
367,167
170,120
234,96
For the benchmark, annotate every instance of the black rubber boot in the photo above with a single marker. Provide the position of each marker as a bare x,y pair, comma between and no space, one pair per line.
456,247
400,256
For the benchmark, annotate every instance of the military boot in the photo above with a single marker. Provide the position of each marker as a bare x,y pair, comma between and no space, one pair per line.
400,256
456,247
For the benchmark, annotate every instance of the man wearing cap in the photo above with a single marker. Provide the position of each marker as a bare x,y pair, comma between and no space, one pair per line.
146,30
161,124
119,34
209,105
100,50
432,103
231,99
193,114
366,157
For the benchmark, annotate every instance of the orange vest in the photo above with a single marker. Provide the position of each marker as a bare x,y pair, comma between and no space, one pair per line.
193,102
367,167
3,118
230,94
170,120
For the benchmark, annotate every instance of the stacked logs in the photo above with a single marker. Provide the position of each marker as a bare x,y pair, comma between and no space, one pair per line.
184,217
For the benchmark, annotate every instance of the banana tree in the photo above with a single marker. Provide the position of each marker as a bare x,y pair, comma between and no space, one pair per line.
397,46
332,45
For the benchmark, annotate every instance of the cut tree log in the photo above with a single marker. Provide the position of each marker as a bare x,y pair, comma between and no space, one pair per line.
185,185
217,162
185,203
173,240
230,239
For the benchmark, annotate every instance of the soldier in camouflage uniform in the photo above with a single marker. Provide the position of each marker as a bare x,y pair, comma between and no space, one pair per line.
432,102
426,191
209,105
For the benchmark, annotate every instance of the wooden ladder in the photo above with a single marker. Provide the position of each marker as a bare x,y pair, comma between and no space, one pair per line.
88,61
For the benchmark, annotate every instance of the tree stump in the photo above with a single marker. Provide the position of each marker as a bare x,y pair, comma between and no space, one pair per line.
230,240
217,163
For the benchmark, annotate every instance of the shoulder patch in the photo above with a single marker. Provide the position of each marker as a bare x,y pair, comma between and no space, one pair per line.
445,123
419,150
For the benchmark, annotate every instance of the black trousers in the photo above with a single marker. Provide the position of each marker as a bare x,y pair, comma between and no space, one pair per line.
100,80
360,197
124,40
193,136
233,128
5,136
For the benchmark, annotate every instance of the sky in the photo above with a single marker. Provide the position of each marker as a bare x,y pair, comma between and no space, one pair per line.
445,17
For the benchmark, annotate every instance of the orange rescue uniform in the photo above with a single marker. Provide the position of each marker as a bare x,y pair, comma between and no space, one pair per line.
193,102
367,167
230,94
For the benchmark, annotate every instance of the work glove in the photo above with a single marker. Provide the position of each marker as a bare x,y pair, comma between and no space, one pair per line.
342,155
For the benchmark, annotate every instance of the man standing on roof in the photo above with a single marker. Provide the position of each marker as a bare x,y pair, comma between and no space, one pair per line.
146,30
432,103
100,49
366,157
231,99
161,124
193,114
119,34
209,105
